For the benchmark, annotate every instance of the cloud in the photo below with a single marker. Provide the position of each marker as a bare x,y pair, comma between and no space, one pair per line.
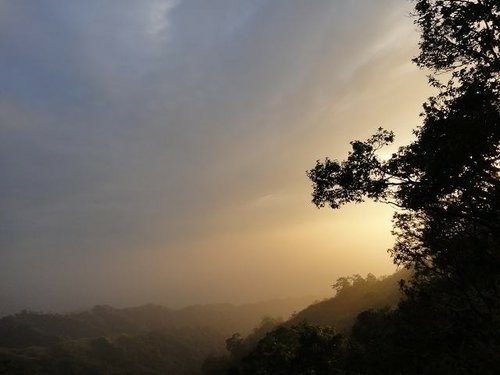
137,125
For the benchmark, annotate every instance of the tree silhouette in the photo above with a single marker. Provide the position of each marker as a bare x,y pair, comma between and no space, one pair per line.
446,183
458,35
446,188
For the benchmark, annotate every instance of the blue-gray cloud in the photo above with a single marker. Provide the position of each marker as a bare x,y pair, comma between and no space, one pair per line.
129,123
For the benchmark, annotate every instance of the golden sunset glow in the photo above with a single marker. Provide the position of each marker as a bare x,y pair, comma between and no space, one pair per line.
167,163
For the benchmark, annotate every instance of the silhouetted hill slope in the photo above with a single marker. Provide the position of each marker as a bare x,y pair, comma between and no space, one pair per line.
36,329
354,295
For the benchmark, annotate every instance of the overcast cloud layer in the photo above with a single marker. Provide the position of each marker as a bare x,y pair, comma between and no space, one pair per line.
154,150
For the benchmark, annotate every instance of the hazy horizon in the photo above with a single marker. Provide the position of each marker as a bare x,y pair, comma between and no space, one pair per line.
155,151
302,301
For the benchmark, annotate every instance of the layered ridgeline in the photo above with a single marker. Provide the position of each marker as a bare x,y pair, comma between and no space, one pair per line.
147,339
198,339
355,296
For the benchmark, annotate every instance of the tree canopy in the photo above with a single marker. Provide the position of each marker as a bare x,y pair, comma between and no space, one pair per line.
445,184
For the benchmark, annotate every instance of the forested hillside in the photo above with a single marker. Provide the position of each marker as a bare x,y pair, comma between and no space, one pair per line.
353,296
178,351
31,328
148,339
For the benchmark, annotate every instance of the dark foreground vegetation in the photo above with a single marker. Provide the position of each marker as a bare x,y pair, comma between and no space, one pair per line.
446,188
280,347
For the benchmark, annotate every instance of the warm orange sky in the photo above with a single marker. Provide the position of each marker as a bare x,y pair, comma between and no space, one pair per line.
156,151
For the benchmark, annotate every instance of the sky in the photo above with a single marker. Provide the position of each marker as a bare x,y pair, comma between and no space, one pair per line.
155,151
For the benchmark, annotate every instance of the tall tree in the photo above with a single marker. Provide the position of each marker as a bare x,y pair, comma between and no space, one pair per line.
446,183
